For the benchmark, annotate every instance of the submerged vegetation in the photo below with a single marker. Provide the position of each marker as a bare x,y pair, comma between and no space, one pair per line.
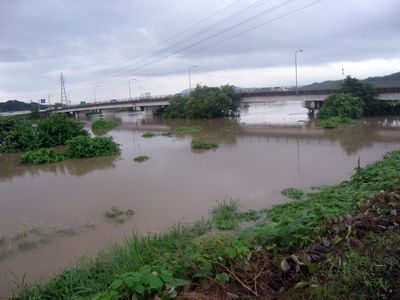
203,144
117,215
42,156
339,242
141,158
84,147
204,103
101,124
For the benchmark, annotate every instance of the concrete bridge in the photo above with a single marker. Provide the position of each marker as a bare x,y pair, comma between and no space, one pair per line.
311,99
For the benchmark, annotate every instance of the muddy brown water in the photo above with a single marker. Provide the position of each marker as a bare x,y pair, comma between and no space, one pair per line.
273,146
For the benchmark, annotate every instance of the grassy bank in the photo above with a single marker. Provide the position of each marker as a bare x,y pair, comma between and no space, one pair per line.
339,242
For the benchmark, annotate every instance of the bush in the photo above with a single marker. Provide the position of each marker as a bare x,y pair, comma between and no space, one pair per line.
101,124
42,156
19,136
57,129
202,144
205,103
84,146
343,106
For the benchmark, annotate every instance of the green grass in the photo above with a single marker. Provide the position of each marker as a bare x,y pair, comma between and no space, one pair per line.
101,124
202,144
141,158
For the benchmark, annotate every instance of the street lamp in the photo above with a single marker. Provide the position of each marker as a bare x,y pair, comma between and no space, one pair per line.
94,92
69,98
48,97
295,64
130,95
190,80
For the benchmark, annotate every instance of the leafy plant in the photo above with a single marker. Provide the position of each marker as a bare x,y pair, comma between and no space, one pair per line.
293,193
42,156
148,134
342,106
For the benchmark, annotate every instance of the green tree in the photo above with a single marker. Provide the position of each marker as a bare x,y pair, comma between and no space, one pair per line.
365,92
343,106
205,103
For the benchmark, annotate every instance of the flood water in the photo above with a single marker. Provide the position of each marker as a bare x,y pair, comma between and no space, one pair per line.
273,146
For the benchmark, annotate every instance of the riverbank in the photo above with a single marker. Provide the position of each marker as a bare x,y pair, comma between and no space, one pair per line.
300,245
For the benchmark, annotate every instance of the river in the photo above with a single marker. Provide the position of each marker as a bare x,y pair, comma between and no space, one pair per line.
53,214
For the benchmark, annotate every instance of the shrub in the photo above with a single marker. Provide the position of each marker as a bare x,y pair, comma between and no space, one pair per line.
202,144
21,136
334,122
57,129
148,134
343,106
101,124
84,146
42,156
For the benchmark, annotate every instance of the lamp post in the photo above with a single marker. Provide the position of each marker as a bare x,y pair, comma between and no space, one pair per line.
190,79
48,97
94,92
295,65
130,95
69,98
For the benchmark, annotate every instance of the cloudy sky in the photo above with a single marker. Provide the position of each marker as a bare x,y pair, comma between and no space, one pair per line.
248,43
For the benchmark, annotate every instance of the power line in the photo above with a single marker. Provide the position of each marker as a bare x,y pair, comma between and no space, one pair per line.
253,28
201,32
212,36
183,31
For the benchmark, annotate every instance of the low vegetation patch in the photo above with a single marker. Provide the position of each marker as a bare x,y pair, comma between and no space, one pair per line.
335,122
141,158
101,124
186,129
84,147
202,144
339,242
149,134
42,156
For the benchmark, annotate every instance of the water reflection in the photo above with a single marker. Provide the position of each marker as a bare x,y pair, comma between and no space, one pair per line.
11,167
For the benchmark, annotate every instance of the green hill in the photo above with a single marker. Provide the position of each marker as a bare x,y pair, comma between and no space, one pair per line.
392,80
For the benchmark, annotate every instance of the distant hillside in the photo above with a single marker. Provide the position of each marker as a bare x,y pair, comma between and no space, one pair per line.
14,105
392,80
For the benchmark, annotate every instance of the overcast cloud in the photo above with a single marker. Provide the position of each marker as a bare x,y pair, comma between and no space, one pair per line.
99,42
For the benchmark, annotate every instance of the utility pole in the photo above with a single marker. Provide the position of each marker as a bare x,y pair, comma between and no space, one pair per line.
295,66
64,99
48,97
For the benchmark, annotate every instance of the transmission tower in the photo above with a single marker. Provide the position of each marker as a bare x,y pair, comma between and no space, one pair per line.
64,99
